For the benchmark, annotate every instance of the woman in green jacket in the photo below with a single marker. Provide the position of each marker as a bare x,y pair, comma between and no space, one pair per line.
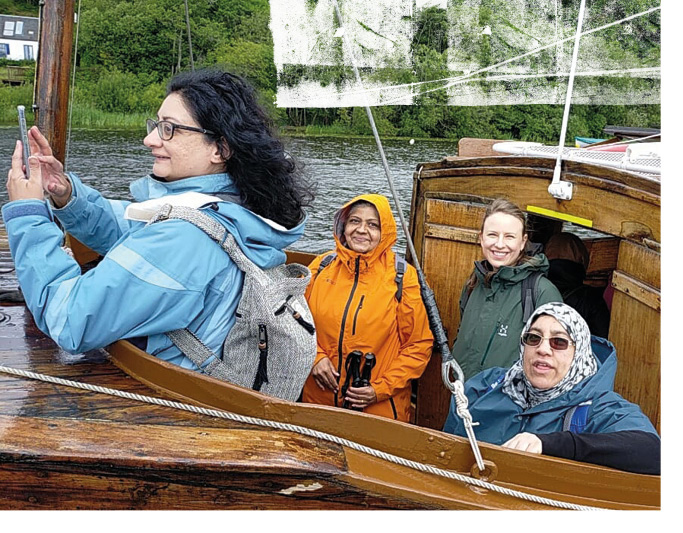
491,308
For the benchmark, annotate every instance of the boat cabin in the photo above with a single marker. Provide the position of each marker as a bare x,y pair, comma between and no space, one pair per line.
616,214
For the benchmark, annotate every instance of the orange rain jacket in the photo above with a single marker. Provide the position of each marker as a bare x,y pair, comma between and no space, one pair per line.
353,301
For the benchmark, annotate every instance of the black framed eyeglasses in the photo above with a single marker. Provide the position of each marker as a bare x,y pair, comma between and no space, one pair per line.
166,129
556,343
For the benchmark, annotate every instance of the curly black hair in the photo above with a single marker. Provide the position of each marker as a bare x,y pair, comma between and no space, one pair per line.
269,180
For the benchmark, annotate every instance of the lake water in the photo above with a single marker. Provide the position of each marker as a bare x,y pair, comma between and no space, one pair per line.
342,168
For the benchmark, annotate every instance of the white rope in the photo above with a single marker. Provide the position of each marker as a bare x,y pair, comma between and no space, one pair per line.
461,404
303,431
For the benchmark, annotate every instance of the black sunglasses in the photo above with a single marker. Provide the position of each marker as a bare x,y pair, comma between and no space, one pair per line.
556,343
166,129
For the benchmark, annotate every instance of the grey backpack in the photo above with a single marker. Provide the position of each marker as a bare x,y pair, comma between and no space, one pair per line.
272,345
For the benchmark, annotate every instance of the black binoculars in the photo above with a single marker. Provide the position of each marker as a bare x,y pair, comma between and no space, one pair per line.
355,376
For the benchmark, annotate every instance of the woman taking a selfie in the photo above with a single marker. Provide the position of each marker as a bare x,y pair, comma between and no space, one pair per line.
211,137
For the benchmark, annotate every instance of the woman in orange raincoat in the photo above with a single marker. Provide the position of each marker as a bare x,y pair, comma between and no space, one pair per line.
359,303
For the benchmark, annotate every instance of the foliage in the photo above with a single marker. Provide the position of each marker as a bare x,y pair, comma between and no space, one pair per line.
10,98
20,8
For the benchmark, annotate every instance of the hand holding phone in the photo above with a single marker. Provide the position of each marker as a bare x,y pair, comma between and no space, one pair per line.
24,138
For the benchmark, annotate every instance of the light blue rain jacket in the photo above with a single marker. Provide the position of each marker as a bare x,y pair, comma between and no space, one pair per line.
153,279
500,418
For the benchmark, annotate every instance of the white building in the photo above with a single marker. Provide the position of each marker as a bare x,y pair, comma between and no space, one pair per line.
18,37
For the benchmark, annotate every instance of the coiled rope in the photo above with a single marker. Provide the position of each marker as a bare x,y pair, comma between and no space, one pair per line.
303,431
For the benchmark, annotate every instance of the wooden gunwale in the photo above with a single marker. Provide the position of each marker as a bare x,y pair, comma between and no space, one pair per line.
69,449
520,165
570,481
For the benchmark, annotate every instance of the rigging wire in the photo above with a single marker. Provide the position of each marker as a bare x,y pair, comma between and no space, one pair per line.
448,364
73,84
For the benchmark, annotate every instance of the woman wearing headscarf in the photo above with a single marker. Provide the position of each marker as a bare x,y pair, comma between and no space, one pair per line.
358,304
532,406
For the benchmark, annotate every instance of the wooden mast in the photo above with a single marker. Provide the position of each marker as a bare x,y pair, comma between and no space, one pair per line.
52,80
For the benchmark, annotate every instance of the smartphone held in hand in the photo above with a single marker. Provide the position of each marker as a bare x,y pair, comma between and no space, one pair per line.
24,137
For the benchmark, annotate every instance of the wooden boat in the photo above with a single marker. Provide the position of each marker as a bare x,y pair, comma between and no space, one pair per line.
78,449
68,448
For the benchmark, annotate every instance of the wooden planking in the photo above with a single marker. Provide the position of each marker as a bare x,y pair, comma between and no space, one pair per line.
643,261
449,233
634,330
471,147
635,327
122,445
464,212
449,247
66,464
637,290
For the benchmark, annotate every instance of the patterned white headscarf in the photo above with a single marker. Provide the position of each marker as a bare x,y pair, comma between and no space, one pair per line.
517,386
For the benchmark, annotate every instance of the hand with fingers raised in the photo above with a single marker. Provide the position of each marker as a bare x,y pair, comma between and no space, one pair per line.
55,182
19,187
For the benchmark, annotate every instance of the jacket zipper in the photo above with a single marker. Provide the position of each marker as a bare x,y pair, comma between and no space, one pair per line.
343,324
355,317
393,407
486,352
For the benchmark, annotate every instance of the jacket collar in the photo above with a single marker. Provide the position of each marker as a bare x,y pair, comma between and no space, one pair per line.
511,274
150,187
592,387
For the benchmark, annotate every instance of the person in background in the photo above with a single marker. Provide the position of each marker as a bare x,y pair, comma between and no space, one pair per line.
492,318
569,258
211,137
358,304
532,405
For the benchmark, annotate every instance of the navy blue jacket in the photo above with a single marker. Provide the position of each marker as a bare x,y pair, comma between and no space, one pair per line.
500,418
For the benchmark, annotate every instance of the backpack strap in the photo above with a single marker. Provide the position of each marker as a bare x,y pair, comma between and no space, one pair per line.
576,419
400,267
529,293
326,261
184,339
464,299
196,351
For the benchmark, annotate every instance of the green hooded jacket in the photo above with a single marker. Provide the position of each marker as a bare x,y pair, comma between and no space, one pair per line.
492,320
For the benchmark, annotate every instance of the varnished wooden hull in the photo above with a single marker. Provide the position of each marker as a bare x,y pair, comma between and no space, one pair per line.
63,448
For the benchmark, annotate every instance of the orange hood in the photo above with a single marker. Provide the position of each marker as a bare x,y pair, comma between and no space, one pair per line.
388,230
